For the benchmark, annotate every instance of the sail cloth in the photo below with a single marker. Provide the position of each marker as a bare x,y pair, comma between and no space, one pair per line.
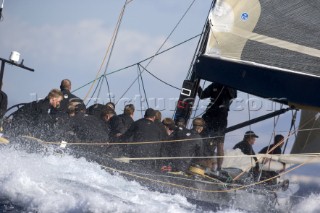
308,137
267,48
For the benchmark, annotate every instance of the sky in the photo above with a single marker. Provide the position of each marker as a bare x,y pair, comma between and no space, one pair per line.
69,39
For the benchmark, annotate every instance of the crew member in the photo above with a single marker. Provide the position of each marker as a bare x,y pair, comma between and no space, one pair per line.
127,116
65,87
190,148
144,130
246,147
275,149
34,118
216,117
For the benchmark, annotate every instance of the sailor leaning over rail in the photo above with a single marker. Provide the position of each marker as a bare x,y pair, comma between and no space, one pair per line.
34,117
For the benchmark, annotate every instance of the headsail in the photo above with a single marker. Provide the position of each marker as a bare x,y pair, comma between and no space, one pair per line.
267,48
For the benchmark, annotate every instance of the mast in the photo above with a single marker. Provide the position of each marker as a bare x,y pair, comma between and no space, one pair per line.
191,83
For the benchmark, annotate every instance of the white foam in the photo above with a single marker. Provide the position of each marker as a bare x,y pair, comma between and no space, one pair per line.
308,205
66,184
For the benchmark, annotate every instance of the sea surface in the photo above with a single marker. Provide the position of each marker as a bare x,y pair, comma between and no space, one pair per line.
54,183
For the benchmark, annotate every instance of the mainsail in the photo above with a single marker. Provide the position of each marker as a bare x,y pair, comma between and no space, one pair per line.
267,48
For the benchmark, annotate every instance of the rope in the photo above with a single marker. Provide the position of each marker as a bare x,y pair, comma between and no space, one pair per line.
94,92
208,191
162,182
238,187
112,47
218,182
163,158
111,41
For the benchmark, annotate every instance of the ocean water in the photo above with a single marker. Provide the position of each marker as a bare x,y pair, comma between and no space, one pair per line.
32,182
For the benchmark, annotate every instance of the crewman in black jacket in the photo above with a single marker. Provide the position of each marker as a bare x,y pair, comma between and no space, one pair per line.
274,148
190,148
167,148
127,116
144,130
86,128
65,87
35,118
216,117
114,124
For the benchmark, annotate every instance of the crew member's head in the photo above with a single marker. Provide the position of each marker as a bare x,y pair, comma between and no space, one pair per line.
65,85
250,137
150,114
279,139
198,124
129,110
55,96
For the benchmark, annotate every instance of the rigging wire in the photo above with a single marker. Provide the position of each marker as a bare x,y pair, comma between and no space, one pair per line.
145,69
91,98
293,121
105,77
175,27
309,134
275,123
129,66
139,86
159,53
197,106
105,56
143,87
